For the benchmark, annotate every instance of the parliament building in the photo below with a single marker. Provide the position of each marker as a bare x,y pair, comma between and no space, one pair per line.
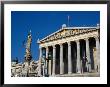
70,50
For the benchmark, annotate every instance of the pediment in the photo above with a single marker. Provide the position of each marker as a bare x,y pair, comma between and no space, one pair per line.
63,33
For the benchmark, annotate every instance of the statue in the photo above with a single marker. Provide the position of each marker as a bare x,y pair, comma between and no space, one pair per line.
28,55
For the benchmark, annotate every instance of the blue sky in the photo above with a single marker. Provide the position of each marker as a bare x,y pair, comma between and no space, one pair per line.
43,23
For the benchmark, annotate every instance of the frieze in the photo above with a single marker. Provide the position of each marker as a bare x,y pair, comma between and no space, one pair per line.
67,33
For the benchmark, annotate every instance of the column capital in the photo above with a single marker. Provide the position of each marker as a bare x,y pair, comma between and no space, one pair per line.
69,43
40,47
60,44
96,38
46,47
77,41
86,38
53,46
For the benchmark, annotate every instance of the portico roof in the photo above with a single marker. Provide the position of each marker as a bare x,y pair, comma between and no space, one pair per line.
66,29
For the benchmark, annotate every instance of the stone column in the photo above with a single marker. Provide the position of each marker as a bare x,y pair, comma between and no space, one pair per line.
69,59
98,54
49,68
46,52
40,60
54,58
88,55
78,57
43,67
46,70
61,59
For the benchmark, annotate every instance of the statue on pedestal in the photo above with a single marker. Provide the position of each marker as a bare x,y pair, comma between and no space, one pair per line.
28,55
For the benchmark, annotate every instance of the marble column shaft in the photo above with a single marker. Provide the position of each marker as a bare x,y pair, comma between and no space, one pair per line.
46,52
88,55
43,70
61,59
69,59
98,53
46,70
40,60
78,57
54,58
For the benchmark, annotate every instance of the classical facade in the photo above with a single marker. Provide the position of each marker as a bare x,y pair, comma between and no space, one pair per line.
70,50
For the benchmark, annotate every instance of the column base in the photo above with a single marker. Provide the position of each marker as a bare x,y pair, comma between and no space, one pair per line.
61,73
69,72
53,74
46,75
79,72
39,75
89,71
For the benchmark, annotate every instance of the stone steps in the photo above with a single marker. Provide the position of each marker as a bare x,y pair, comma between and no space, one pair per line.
79,75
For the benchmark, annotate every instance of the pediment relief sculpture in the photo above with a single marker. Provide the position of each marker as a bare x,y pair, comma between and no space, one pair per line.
65,33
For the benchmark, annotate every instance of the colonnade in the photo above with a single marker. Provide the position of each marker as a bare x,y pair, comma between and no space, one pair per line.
78,63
